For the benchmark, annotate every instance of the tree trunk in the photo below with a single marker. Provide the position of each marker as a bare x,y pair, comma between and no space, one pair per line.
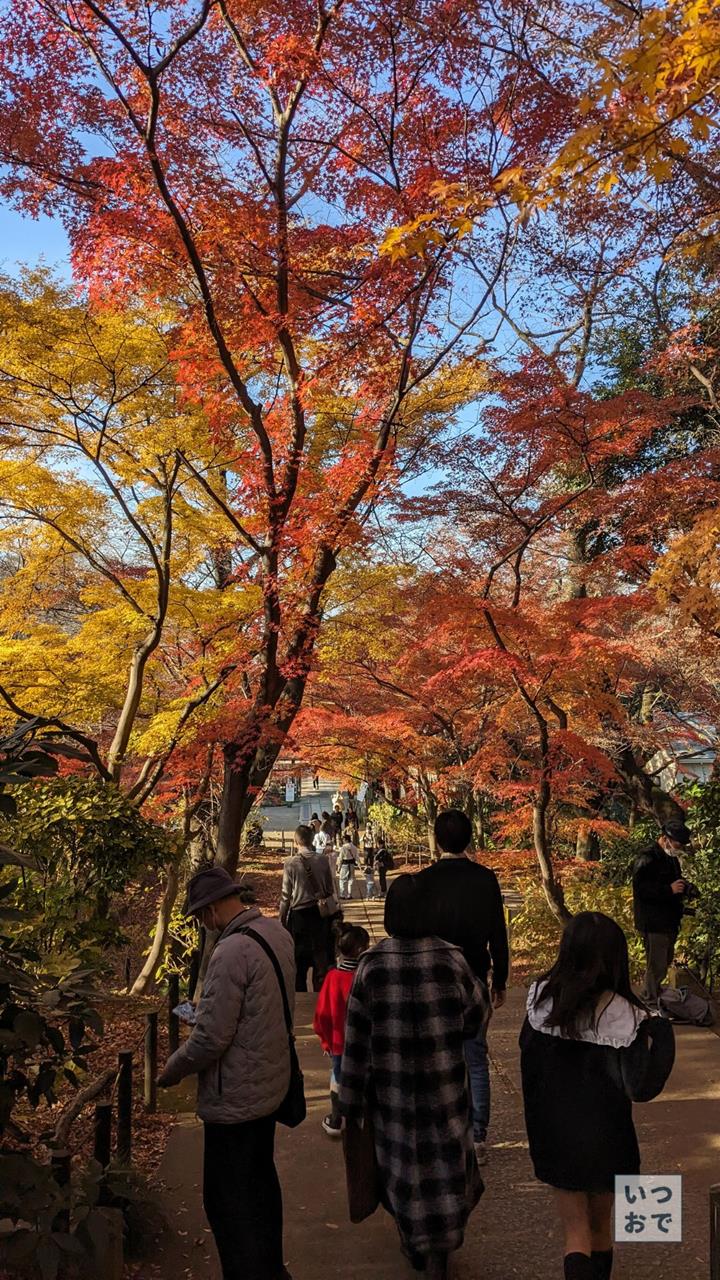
241,785
553,891
642,790
574,584
587,845
480,820
146,977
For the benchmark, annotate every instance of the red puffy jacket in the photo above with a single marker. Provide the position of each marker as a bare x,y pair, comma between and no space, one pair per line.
331,1009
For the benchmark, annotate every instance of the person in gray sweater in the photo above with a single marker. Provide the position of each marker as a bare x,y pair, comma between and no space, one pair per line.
307,878
239,1050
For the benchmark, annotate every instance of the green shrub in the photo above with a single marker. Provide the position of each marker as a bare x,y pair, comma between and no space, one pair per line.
618,853
84,842
536,932
702,930
400,827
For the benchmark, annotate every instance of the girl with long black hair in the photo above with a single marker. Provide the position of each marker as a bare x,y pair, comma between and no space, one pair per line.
589,1049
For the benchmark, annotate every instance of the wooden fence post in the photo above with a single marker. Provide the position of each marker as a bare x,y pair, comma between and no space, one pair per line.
715,1232
124,1102
151,1061
173,1020
102,1146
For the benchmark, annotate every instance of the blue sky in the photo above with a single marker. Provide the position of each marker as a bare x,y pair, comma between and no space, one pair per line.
24,239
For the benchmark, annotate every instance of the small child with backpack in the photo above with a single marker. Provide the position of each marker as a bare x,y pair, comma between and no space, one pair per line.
331,1011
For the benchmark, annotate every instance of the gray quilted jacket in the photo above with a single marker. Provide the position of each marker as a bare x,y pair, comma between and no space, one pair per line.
239,1044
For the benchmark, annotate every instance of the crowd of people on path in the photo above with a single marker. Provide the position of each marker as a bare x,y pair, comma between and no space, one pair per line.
404,1023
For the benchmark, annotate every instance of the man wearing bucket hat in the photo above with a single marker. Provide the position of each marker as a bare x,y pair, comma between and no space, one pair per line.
239,1050
660,892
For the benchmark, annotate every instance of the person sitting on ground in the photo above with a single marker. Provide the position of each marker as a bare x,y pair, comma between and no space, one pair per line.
238,1048
466,907
588,1050
347,860
413,1003
331,1010
307,878
660,892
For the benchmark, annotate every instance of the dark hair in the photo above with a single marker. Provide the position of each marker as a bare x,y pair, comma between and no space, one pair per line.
593,960
314,818
406,909
453,831
352,940
305,835
325,814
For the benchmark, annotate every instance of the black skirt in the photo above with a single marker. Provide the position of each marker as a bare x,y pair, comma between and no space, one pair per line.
578,1117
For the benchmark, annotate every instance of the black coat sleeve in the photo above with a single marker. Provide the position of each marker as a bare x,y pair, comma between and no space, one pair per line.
498,940
646,1063
646,885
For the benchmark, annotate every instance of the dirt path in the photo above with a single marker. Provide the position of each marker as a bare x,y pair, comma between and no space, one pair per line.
512,1233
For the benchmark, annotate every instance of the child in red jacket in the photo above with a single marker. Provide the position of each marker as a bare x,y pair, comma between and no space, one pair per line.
331,1011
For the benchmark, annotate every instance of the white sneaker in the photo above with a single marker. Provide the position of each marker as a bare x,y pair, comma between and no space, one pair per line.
481,1153
333,1126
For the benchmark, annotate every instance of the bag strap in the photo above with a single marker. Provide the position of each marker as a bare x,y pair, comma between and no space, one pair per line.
310,873
278,973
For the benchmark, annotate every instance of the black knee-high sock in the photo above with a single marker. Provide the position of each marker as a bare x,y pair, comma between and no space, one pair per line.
578,1266
602,1260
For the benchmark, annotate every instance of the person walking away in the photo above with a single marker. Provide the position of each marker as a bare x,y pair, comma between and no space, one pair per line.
383,863
369,871
347,861
337,816
331,1011
316,780
659,895
589,1048
238,1048
307,879
369,843
329,830
320,839
466,908
404,1073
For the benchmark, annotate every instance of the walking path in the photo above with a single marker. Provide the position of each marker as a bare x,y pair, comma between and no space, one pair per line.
512,1233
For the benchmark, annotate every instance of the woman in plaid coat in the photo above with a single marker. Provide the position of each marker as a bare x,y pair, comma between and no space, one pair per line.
413,1003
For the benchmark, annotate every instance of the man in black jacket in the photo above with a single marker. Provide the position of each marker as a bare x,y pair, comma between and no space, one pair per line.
659,894
466,907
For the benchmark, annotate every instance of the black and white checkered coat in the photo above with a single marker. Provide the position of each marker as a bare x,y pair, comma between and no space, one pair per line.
411,1005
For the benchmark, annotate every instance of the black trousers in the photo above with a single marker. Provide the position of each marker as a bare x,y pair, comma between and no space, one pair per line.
659,955
242,1199
312,937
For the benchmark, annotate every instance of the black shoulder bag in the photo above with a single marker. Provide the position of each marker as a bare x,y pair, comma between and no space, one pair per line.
293,1109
